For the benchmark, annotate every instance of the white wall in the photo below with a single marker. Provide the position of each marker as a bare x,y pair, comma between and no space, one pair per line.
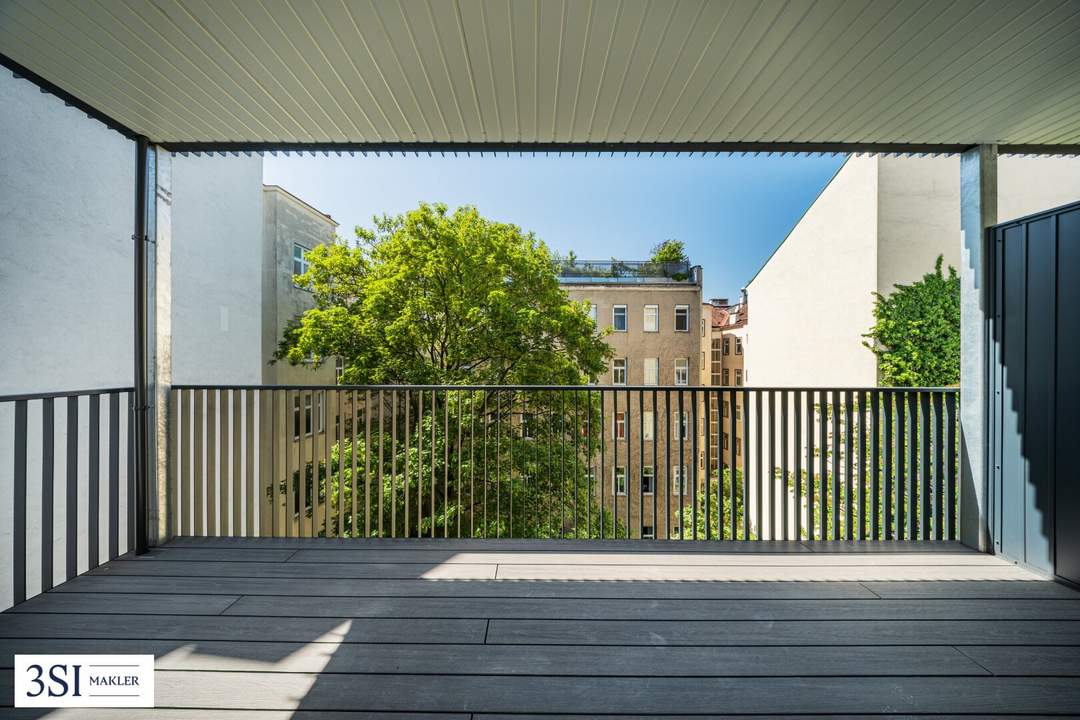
810,303
66,218
1028,185
217,269
67,188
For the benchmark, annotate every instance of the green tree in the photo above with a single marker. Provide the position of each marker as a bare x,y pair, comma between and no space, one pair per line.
453,298
716,531
916,331
672,251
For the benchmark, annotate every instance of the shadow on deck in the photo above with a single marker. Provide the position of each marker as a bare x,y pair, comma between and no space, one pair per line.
280,628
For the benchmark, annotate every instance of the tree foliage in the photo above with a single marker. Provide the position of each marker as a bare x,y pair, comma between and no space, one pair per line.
669,251
434,297
916,331
439,298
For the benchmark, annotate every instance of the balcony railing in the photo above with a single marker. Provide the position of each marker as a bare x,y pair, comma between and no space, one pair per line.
564,462
71,458
626,271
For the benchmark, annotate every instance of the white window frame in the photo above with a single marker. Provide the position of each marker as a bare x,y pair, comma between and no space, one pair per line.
615,371
651,371
655,317
648,424
618,419
647,532
647,471
592,312
738,377
738,345
302,260
684,371
625,315
339,369
615,480
678,477
683,427
686,309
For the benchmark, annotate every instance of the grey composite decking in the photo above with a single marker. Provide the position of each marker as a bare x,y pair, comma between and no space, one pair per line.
309,628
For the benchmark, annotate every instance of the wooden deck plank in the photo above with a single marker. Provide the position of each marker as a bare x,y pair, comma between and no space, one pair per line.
215,568
126,604
249,554
343,692
511,545
219,627
577,660
1016,660
628,558
686,609
976,589
685,573
337,587
784,632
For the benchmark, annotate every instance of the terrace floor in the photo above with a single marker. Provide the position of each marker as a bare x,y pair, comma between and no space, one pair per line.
313,628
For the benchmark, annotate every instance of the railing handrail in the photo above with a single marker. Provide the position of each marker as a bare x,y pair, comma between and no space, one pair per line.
578,388
63,393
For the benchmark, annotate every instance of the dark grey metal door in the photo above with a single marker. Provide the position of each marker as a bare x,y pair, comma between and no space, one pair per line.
1035,391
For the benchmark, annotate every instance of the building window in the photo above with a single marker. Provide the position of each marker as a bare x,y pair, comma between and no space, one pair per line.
619,428
339,369
675,529
738,377
299,259
738,412
717,362
727,346
725,377
702,327
592,313
648,425
652,371
727,409
725,441
682,371
678,473
680,427
682,318
651,321
304,419
618,318
618,371
648,480
738,346
620,481
647,532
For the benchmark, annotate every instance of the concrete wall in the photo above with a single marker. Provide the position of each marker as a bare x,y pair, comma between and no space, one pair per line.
811,300
217,281
66,218
1029,185
285,221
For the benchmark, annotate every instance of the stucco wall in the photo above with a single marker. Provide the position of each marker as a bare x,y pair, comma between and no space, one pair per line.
217,282
1029,185
811,300
285,222
66,214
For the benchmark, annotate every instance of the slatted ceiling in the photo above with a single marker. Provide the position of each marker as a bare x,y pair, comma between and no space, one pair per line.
526,71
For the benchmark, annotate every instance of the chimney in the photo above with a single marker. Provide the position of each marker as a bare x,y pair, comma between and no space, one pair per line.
722,302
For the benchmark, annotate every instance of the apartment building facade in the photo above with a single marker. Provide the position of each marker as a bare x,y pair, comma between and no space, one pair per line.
292,228
723,346
654,313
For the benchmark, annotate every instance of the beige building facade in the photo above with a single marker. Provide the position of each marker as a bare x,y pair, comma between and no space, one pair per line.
723,346
656,326
881,220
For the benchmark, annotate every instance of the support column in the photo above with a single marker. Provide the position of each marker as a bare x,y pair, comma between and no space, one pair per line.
161,504
978,211
140,400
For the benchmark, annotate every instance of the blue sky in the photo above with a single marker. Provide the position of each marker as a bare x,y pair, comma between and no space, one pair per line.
731,212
